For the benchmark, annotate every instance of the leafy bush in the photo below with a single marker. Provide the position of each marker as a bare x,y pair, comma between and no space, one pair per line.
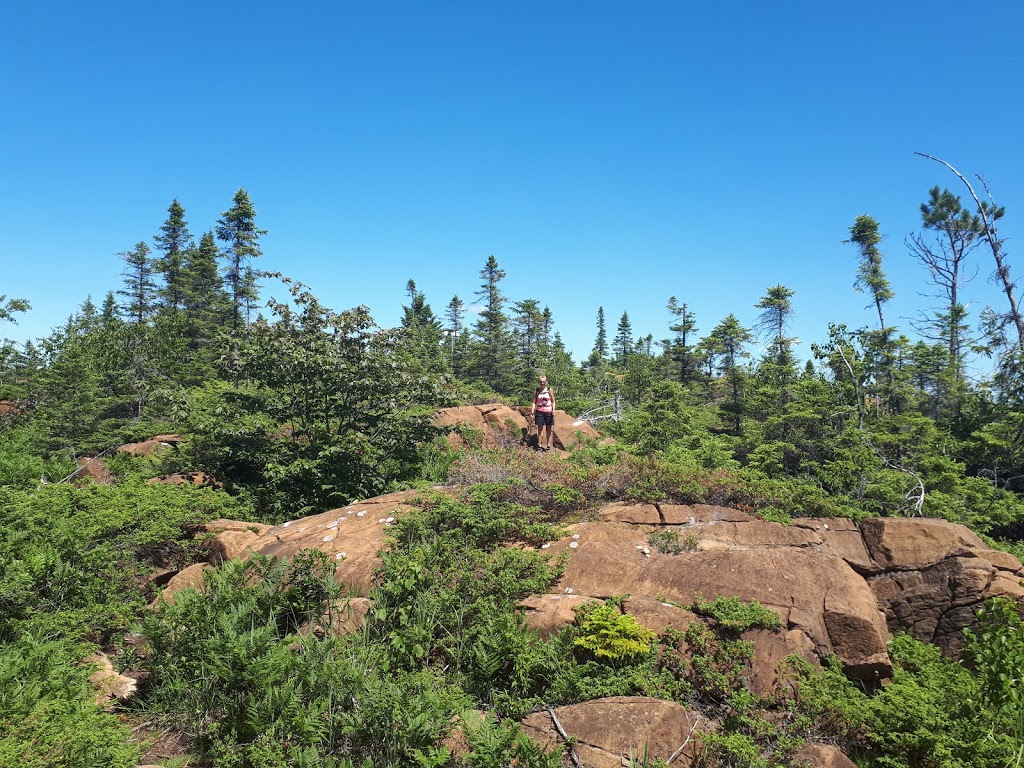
71,560
609,634
914,720
735,616
48,714
996,654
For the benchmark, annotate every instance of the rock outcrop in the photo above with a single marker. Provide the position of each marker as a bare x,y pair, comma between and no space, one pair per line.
607,732
152,446
838,587
495,424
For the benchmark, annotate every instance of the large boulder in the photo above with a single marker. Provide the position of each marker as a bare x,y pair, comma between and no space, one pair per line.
930,577
502,425
152,446
608,732
786,569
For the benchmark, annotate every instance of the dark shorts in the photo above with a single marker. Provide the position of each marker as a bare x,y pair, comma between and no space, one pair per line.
544,419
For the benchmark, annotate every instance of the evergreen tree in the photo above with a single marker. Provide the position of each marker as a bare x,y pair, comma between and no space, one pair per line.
955,232
8,308
680,351
237,227
623,342
882,344
600,352
729,339
172,242
206,307
776,315
492,363
870,277
110,311
422,330
528,327
455,314
140,288
777,373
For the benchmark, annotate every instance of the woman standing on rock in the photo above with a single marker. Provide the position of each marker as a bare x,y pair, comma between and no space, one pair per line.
543,413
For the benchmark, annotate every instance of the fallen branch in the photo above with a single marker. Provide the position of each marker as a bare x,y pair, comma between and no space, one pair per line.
687,741
565,737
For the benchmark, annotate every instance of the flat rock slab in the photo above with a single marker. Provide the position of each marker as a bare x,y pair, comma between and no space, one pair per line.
811,589
353,536
611,730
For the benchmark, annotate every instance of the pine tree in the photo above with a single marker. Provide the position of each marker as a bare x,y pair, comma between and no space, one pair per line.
172,242
955,233
728,339
8,307
237,227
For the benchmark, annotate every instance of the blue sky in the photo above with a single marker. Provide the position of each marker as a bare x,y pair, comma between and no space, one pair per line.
607,153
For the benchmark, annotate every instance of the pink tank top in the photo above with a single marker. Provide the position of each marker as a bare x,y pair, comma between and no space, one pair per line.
544,401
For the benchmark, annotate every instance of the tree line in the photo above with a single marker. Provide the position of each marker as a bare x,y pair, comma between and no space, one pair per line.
282,395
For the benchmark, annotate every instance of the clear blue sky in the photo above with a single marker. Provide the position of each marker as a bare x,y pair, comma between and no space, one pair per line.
607,153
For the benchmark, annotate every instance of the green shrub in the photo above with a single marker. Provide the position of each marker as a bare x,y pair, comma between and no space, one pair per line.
736,616
667,541
996,654
610,634
48,714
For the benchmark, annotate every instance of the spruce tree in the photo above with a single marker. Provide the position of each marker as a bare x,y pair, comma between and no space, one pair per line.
455,314
600,351
870,277
623,342
237,227
681,351
729,340
528,325
423,332
140,289
492,363
172,242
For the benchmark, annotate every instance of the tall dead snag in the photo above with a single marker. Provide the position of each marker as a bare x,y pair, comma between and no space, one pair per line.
989,213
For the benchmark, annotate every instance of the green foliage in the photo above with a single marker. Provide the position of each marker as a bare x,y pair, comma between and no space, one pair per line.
736,616
48,714
718,664
70,559
324,410
913,721
996,654
21,467
449,589
497,743
667,541
607,633
730,750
